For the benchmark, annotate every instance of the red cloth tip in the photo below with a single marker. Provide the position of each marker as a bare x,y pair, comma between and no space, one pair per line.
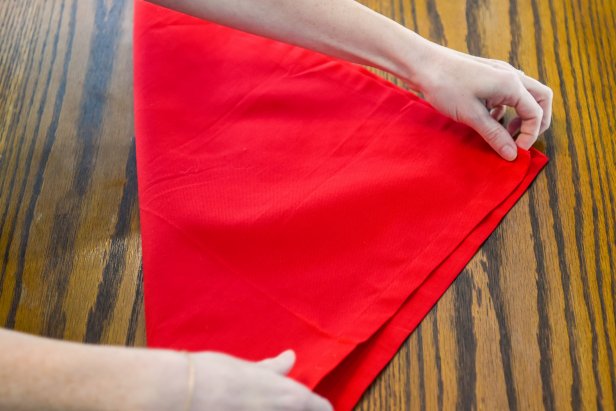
292,200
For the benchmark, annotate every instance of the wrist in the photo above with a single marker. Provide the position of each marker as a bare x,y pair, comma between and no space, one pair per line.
167,377
141,379
414,59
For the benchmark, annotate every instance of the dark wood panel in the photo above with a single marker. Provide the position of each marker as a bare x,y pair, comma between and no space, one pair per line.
529,324
70,245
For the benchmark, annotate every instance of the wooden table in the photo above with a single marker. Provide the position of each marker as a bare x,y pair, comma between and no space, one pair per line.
529,324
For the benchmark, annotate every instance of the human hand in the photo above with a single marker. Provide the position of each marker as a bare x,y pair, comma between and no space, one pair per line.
475,91
227,383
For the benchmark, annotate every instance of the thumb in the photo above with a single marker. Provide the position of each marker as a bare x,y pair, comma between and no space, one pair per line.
493,133
281,364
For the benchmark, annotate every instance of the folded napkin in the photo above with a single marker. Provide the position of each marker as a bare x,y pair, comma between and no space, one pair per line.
292,200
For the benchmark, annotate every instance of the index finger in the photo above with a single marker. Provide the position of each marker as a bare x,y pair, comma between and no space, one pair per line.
543,95
530,114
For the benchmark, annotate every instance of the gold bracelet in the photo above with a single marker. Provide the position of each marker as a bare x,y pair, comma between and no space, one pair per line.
191,381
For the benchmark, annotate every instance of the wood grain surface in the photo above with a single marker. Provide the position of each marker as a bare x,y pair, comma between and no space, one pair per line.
529,324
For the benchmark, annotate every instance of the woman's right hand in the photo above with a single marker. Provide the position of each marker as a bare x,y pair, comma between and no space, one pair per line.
227,383
475,91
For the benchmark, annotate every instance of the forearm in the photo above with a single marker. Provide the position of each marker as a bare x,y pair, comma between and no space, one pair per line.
343,29
38,373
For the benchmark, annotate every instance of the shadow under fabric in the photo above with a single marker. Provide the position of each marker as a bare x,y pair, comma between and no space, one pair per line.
292,200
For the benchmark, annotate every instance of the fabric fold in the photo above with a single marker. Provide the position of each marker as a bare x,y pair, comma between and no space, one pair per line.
292,200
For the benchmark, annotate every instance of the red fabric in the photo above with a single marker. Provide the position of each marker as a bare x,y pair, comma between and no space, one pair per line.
292,200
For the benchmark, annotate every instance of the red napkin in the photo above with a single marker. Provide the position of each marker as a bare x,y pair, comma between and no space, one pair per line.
293,200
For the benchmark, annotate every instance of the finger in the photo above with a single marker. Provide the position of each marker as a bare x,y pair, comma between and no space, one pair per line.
529,112
514,126
542,94
544,97
281,364
498,112
491,131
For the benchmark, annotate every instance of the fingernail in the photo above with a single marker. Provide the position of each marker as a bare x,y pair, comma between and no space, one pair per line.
509,153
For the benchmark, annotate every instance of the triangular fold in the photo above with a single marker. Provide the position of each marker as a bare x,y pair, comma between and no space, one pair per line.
292,200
